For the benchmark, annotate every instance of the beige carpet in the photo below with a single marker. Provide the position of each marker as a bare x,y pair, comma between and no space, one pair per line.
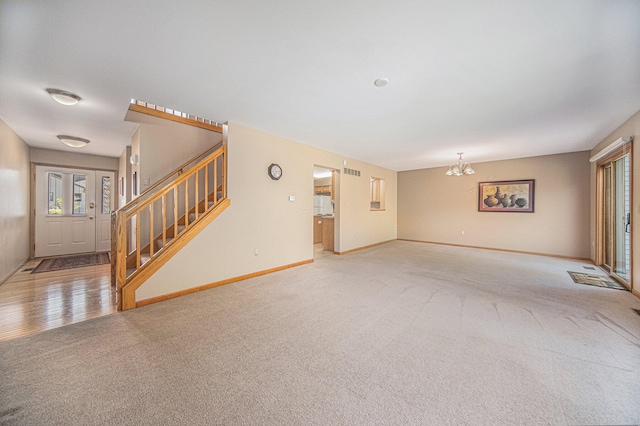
400,334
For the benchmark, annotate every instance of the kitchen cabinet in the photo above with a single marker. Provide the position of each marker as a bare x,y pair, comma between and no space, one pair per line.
317,229
327,233
322,190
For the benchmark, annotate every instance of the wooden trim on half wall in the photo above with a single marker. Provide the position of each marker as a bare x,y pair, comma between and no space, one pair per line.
172,117
218,283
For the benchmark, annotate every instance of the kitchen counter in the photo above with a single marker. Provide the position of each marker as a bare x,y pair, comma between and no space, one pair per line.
323,230
327,232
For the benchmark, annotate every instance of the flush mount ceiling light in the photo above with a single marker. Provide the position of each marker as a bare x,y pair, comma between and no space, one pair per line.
381,82
64,98
73,142
460,168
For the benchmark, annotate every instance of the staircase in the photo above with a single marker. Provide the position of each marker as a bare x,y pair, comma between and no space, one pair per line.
152,228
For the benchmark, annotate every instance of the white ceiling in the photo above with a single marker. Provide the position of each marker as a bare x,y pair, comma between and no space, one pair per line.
494,79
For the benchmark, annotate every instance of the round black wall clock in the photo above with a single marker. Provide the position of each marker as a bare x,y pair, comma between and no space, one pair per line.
274,171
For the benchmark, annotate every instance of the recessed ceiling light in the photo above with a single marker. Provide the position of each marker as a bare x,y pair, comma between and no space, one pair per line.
381,82
64,98
73,141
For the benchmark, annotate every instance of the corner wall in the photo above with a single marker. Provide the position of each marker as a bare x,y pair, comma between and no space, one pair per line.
163,146
14,202
262,217
124,177
437,208
629,128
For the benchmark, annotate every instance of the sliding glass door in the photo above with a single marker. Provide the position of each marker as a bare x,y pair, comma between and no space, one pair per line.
615,215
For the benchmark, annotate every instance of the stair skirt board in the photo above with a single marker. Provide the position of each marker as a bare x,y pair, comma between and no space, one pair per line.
218,283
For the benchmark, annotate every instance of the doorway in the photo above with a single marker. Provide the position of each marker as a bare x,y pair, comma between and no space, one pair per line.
325,209
614,219
72,210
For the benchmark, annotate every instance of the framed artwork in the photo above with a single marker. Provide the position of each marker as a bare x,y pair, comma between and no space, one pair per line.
506,196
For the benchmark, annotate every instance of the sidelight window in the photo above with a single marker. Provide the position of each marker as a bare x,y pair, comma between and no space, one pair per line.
55,193
79,194
106,194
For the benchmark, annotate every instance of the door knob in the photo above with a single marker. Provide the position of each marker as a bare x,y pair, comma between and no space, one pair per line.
90,217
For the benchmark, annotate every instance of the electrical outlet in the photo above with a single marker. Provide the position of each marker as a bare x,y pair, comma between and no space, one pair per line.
461,232
255,252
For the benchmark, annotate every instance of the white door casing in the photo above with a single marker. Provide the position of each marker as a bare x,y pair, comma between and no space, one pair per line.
105,199
69,216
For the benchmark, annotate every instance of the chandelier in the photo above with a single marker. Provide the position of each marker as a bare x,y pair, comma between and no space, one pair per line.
460,168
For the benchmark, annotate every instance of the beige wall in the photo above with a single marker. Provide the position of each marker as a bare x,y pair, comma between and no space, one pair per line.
322,181
124,173
135,168
437,208
163,146
629,128
262,217
73,159
14,201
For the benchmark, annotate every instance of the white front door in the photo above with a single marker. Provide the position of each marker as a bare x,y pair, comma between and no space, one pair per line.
69,216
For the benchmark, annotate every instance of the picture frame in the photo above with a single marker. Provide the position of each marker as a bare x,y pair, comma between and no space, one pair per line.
507,196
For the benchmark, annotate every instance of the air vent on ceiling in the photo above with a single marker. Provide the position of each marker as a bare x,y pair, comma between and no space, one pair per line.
351,172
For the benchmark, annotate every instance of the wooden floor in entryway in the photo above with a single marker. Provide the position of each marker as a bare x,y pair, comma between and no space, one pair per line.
30,303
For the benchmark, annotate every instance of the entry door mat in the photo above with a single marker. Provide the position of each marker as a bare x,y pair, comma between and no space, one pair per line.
69,262
595,280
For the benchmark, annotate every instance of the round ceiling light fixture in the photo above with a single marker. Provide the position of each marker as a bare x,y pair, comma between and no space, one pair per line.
381,82
73,141
64,98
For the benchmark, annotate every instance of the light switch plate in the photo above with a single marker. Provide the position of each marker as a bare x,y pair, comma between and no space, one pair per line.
292,197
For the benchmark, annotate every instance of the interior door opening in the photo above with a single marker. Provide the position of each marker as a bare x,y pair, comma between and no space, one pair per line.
325,211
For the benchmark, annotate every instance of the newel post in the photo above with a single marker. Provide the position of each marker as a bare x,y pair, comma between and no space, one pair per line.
120,264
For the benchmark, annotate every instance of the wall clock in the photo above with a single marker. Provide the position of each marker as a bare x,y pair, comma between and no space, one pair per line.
275,171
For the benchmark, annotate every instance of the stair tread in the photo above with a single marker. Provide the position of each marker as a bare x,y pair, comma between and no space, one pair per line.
159,242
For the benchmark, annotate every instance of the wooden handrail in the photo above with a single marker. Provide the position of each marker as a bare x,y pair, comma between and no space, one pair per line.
136,207
134,261
178,171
